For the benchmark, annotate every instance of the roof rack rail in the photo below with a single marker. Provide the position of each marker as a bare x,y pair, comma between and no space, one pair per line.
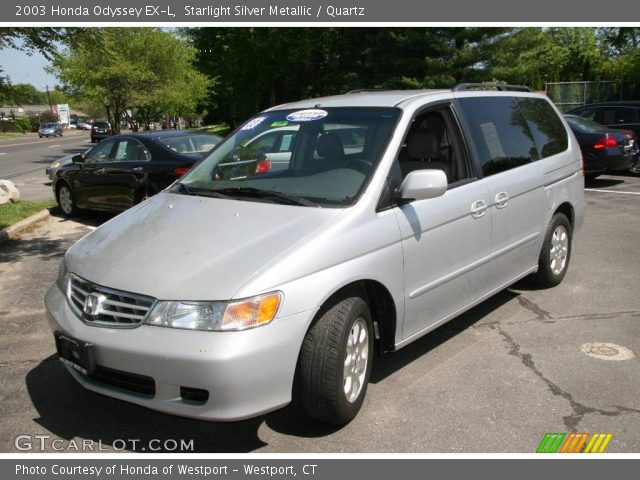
365,90
501,87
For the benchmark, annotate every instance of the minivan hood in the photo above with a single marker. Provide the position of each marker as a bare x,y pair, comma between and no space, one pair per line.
178,247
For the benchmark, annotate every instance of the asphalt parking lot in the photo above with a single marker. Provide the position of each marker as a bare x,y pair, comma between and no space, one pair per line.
494,380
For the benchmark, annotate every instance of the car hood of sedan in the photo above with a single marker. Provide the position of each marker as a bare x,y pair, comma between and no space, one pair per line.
63,160
179,247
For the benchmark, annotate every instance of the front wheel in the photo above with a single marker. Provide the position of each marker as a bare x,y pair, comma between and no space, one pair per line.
335,362
556,252
66,202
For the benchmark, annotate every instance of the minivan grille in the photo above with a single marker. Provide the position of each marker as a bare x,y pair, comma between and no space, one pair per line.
107,307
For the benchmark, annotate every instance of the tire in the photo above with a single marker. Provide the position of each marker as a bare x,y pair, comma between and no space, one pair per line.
65,200
330,389
556,252
40,136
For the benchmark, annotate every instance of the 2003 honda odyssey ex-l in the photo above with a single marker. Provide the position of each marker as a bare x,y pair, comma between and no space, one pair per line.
354,224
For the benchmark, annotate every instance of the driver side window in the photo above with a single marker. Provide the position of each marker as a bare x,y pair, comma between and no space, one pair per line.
101,153
434,142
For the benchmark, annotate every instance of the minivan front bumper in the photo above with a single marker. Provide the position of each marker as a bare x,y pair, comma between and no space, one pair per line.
246,373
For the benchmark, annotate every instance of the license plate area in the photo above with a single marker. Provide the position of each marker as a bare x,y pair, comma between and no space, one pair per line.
75,353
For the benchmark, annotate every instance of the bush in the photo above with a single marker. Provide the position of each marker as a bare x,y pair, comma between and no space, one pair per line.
22,124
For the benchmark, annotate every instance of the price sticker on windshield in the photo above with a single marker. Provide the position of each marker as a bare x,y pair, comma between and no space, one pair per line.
308,115
253,123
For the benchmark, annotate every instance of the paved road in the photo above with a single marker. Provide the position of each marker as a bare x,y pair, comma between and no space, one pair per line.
23,161
495,380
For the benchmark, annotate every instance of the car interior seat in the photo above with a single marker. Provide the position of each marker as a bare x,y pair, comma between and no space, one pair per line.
423,152
330,151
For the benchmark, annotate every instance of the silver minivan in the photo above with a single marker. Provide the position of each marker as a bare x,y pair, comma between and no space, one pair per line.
244,285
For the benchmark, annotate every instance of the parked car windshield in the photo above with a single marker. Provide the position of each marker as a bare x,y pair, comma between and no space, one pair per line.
48,125
190,143
319,157
584,124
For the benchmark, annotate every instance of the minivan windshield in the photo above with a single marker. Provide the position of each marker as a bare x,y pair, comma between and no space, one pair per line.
311,157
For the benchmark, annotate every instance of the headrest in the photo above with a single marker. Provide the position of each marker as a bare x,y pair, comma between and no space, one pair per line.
423,144
435,123
329,146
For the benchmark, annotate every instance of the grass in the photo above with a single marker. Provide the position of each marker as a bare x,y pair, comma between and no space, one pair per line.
10,135
11,213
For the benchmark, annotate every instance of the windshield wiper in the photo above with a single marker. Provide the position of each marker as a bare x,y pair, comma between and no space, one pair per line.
275,196
181,187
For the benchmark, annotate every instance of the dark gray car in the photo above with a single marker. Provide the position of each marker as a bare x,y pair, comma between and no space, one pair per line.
100,131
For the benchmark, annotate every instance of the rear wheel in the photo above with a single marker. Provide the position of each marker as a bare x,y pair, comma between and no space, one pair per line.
65,200
556,252
335,362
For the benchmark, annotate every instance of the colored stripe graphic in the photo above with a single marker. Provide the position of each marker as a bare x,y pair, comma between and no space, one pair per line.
580,443
598,443
569,443
550,442
573,442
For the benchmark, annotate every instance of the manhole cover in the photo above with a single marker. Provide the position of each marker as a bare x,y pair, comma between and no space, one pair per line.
607,351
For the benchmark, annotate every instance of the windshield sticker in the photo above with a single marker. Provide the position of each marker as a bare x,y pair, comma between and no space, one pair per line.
253,123
280,123
307,115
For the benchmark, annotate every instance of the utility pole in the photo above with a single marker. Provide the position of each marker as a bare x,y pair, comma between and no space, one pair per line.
49,97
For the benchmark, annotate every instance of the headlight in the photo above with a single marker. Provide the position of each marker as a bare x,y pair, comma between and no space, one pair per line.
56,165
216,316
63,277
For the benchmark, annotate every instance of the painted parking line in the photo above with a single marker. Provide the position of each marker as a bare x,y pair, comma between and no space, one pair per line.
3,153
52,146
599,190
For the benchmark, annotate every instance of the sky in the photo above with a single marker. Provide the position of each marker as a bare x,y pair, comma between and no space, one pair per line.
22,68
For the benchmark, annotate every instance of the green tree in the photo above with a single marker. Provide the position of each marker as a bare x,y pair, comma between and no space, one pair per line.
137,68
28,40
24,94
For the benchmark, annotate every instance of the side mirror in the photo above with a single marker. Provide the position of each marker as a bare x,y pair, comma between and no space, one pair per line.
423,184
78,159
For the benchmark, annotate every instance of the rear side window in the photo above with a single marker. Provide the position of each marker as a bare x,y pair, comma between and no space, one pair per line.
588,113
549,134
617,115
500,133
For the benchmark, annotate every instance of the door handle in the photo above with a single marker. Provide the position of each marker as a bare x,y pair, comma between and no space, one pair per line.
137,169
478,209
501,199
101,170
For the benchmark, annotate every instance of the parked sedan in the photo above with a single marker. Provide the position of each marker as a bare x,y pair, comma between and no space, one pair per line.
603,149
123,170
50,130
618,115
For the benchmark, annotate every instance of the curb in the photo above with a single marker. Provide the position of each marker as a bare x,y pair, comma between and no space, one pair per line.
12,231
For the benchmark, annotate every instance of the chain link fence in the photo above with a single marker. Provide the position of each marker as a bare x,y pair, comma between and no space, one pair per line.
569,95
